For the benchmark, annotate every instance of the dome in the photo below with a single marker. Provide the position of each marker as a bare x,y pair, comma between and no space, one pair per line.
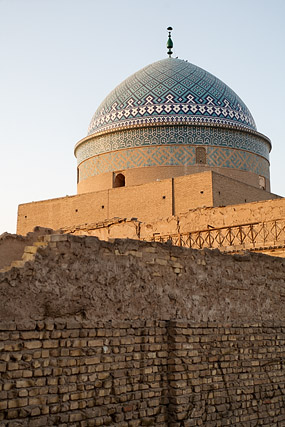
171,91
171,118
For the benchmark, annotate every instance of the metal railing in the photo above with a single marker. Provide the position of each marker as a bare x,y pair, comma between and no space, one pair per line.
254,235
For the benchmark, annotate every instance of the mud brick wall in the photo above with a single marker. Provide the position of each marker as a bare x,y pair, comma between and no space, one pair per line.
66,373
226,374
147,202
133,373
199,219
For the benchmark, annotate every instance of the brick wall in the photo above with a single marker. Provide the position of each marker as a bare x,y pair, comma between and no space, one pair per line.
192,191
227,374
132,373
147,202
68,357
139,176
221,216
266,236
225,192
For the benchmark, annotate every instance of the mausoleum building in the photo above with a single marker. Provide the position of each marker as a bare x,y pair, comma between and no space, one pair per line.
169,139
170,119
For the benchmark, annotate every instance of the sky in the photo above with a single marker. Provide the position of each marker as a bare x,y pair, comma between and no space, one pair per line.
60,59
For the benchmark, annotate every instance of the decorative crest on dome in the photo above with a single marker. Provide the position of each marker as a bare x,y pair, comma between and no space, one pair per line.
169,44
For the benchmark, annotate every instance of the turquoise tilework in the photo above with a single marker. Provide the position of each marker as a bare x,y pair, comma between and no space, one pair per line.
170,156
171,90
173,135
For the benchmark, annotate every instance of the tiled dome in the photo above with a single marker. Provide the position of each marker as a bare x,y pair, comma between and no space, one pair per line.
171,91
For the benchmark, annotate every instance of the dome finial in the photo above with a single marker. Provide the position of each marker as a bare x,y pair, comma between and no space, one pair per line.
169,42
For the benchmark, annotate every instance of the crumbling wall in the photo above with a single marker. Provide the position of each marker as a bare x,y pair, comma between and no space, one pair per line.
267,218
203,343
128,279
12,245
215,217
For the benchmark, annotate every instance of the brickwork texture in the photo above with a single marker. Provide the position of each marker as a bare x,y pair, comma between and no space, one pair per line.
147,202
198,348
141,373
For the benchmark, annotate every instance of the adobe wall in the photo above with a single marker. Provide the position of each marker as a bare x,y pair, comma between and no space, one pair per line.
199,347
131,279
224,216
147,202
151,201
138,373
143,175
262,215
226,192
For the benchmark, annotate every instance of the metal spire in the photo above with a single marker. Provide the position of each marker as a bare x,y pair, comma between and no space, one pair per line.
169,42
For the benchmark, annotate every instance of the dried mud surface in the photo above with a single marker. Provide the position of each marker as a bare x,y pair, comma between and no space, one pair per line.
129,279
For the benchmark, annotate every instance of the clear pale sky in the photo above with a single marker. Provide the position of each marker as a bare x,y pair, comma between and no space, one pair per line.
60,58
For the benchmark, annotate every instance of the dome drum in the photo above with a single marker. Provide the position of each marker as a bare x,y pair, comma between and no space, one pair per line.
93,145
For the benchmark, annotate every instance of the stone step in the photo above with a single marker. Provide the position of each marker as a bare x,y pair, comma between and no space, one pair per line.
41,244
28,257
18,264
30,250
41,238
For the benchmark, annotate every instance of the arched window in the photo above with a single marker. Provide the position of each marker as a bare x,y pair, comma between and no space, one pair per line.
200,155
119,180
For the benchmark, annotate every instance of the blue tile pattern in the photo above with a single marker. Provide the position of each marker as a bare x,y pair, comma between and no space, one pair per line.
171,90
170,135
172,156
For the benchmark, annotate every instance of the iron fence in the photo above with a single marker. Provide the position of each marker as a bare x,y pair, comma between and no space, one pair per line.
254,235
